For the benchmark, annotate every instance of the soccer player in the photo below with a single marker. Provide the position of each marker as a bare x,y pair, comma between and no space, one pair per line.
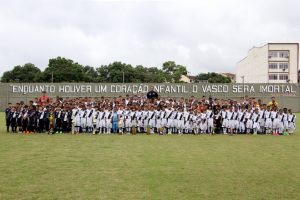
268,120
255,119
224,112
89,119
179,121
291,121
210,120
7,113
77,119
151,119
275,121
40,119
248,119
108,120
13,115
241,119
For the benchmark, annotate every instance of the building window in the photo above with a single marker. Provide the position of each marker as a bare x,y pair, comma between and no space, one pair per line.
278,54
273,54
273,66
283,77
283,54
283,66
273,77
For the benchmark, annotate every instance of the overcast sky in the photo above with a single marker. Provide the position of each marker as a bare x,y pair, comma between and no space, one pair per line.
204,36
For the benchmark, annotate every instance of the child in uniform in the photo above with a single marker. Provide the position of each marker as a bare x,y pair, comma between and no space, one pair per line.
291,121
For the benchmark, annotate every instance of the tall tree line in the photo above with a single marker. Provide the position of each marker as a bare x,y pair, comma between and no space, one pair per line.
66,70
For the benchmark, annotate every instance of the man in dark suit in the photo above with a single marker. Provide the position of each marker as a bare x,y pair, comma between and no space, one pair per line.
152,94
7,116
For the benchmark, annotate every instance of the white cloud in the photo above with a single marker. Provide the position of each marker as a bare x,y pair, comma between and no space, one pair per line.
203,35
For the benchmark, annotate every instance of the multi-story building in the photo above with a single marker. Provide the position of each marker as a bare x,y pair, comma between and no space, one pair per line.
271,63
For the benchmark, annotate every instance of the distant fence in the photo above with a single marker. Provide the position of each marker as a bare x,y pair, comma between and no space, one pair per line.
288,95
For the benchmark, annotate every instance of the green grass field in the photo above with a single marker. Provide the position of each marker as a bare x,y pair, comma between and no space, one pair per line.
149,167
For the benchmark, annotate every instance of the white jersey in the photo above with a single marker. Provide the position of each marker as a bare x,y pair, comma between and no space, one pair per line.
203,117
151,115
285,117
174,115
108,114
235,115
280,117
224,114
241,115
132,115
126,114
169,113
255,117
179,116
163,114
273,114
209,114
186,115
229,114
267,114
138,115
248,115
291,118
144,114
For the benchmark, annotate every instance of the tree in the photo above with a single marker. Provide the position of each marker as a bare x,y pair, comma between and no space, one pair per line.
173,72
63,70
26,73
89,74
66,70
212,77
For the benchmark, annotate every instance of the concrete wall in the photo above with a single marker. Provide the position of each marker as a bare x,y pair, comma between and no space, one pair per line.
254,68
288,95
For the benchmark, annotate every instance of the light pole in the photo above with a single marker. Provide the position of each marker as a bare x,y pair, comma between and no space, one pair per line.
243,77
123,76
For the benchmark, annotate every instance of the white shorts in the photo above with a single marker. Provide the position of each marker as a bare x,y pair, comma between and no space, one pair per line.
210,122
249,124
83,123
225,123
152,123
268,123
256,126
292,127
89,122
77,121
170,123
140,123
242,126
275,123
180,124
163,122
108,123
262,122
203,126
128,123
188,125
231,124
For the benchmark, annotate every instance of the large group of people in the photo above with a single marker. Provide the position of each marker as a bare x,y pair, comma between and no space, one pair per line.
134,114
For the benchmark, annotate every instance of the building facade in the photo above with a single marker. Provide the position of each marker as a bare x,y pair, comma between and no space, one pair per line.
229,75
271,63
187,79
